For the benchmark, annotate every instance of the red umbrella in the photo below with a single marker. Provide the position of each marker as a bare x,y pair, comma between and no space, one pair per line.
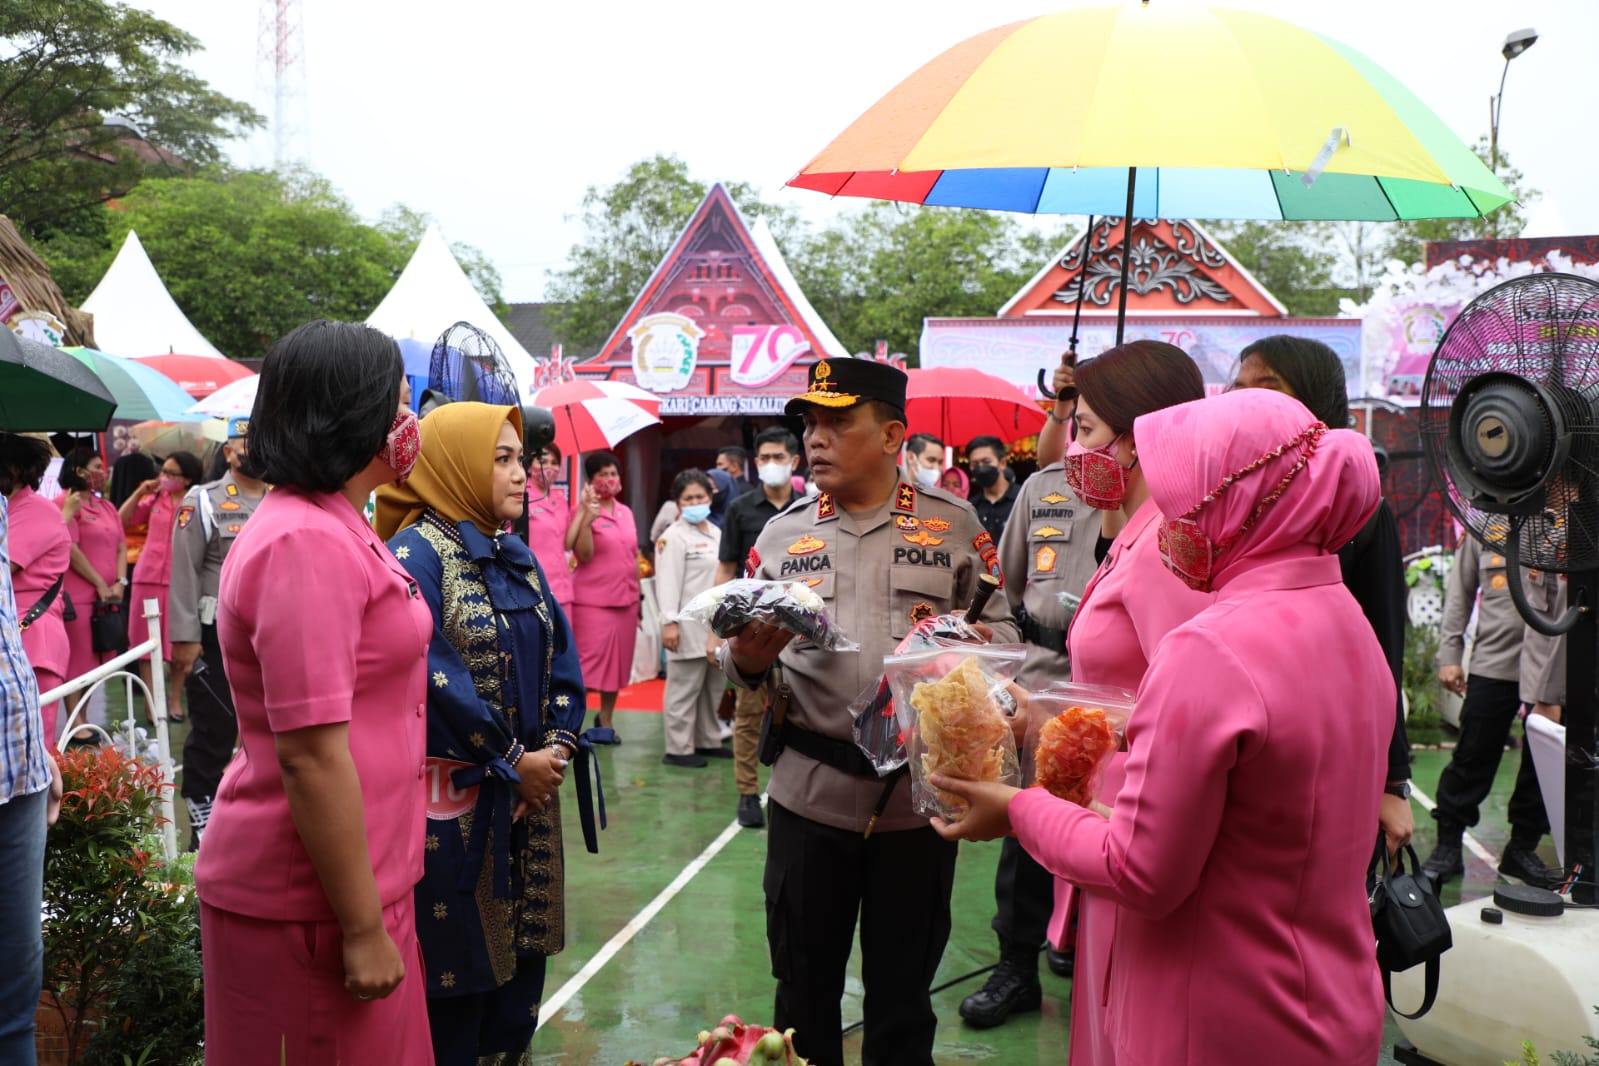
956,404
591,415
197,375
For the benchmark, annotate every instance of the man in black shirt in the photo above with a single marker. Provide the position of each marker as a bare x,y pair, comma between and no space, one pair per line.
993,492
732,459
776,455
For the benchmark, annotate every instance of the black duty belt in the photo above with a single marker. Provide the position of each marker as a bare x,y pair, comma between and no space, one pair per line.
1044,636
839,754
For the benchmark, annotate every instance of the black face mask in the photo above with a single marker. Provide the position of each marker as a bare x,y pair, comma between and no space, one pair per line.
247,467
985,476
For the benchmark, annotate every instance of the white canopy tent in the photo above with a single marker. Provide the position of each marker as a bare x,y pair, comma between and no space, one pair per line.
135,315
432,294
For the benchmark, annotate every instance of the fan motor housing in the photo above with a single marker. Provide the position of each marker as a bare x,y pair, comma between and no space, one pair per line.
1507,437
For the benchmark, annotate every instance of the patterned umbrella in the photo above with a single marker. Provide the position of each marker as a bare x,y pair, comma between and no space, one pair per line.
142,394
591,415
230,401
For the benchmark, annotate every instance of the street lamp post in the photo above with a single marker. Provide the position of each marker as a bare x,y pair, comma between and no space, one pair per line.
1516,43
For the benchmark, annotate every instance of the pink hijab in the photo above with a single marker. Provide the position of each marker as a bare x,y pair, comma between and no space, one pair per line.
1187,450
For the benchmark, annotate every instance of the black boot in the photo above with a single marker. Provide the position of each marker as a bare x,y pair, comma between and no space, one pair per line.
1520,862
1010,989
1447,860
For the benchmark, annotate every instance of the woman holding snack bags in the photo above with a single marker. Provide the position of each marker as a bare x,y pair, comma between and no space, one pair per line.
882,554
1216,932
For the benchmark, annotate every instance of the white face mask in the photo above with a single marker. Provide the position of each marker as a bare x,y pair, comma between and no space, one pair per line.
774,475
926,476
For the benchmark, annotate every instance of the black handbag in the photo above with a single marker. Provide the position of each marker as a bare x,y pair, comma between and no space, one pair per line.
108,629
1411,926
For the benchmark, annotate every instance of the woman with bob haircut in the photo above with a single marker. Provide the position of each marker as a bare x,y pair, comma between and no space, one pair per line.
1128,606
1237,846
314,848
605,597
39,550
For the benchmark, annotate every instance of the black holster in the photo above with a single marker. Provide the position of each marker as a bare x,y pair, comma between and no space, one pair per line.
778,695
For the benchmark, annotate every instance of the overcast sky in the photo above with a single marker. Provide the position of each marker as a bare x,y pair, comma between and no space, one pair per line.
494,115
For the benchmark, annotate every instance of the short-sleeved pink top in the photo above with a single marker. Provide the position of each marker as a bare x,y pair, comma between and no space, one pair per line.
548,516
319,624
610,577
38,542
155,560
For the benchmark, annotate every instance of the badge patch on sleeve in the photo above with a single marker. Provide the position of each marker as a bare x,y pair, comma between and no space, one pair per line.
660,545
983,542
1044,560
752,563
185,515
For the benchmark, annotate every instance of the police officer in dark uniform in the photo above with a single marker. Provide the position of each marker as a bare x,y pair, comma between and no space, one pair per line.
1047,554
209,519
883,554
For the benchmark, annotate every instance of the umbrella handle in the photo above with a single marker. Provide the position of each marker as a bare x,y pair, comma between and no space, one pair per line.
1043,386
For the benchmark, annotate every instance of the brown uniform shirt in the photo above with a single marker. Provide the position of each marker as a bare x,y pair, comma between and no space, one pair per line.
879,573
1479,576
1047,550
210,517
1543,658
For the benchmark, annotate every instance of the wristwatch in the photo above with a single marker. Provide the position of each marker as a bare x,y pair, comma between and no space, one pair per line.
1398,788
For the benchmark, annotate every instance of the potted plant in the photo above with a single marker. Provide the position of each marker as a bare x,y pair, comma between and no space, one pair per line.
103,896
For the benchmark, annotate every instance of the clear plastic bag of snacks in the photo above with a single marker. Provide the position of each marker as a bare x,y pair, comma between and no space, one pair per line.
790,605
951,705
1072,731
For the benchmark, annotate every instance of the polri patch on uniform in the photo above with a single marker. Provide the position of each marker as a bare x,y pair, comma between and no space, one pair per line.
905,498
1054,497
228,505
937,525
1498,581
231,490
825,507
906,522
921,612
660,545
185,515
806,545
813,582
983,542
752,563
1046,532
923,538
1044,560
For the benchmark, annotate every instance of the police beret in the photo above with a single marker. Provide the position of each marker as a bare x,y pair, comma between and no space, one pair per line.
839,383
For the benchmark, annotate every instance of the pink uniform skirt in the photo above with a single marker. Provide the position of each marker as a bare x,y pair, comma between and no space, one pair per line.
84,657
605,639
138,629
275,996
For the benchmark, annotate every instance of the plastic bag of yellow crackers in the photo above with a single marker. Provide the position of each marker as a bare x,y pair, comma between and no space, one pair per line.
952,707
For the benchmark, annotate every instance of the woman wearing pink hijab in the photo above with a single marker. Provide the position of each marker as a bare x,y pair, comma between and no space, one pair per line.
1238,844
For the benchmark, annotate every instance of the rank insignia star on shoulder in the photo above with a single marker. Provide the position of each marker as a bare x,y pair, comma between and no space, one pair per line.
825,507
937,525
1055,497
905,498
806,545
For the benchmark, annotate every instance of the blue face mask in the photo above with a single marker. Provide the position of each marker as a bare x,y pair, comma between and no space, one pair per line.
697,513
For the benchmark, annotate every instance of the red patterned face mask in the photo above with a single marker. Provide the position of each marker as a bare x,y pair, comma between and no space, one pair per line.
1095,475
403,445
1190,553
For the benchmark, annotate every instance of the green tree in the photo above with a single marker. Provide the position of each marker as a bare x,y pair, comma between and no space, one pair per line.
1406,238
92,99
876,272
628,228
1291,259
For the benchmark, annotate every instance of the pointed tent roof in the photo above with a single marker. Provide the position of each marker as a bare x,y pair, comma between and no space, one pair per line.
134,314
432,294
718,220
1178,268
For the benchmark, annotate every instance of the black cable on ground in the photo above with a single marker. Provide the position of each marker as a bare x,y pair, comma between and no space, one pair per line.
952,982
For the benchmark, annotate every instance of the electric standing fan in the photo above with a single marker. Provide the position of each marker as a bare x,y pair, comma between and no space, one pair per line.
467,364
1510,426
1395,435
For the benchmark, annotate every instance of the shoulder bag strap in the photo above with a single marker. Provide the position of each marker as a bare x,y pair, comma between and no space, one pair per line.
1430,991
43,603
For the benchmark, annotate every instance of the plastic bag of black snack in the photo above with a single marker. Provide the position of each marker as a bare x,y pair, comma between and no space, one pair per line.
790,605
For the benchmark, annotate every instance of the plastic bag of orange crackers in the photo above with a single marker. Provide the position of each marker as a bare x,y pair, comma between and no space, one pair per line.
1072,731
945,700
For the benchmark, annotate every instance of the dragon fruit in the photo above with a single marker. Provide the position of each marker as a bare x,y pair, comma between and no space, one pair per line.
732,1043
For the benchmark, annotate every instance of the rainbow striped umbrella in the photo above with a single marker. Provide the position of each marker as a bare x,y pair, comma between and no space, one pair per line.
1159,111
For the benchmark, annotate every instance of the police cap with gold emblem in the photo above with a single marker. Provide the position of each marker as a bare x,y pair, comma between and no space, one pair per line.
840,383
238,427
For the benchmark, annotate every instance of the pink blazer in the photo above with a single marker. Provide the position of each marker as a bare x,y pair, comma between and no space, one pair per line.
318,624
1238,844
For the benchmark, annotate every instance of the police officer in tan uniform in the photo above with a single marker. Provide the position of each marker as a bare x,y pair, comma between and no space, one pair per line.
883,554
209,519
1047,554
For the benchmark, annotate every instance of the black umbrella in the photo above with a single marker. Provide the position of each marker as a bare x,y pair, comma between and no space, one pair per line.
43,389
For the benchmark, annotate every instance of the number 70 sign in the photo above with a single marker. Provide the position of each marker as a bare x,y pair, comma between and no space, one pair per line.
760,353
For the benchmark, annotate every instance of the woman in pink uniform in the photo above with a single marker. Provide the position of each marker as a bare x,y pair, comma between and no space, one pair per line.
99,573
40,552
548,517
1237,845
1129,605
308,865
154,505
604,537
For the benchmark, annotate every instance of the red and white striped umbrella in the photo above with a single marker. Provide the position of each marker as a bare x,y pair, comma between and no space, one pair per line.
590,415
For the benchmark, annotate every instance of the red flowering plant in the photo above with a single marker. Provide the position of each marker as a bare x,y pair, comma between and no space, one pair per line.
103,895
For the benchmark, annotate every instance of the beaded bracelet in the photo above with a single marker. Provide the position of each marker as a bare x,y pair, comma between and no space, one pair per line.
514,753
564,737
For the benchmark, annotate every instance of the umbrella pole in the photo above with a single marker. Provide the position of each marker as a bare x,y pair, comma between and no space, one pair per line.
1077,317
1127,253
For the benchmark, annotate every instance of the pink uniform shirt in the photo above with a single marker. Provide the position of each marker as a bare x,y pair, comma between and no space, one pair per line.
318,624
548,517
158,509
38,542
97,531
610,577
1238,845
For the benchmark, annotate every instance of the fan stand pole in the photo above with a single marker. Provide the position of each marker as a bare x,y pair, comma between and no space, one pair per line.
1582,740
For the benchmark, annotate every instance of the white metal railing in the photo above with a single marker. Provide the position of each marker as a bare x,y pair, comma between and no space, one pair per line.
155,695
